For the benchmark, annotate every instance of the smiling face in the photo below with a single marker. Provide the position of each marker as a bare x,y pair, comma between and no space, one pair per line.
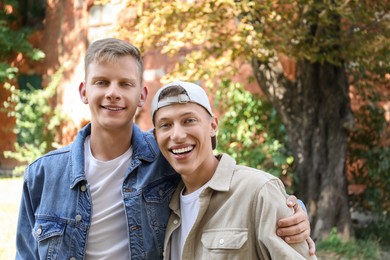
113,92
183,133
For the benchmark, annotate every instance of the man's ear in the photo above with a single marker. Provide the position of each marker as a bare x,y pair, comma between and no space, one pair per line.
214,126
83,93
143,96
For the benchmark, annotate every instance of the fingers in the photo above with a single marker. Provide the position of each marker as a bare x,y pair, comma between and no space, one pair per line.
292,201
296,228
312,246
295,233
298,238
298,217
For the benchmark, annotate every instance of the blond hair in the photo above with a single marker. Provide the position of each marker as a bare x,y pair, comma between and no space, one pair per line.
110,49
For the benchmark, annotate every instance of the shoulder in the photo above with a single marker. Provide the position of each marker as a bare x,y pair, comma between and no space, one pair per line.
228,168
253,176
141,136
49,168
231,176
229,164
255,180
144,144
52,155
248,172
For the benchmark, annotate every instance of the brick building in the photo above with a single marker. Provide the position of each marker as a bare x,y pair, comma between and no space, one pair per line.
63,30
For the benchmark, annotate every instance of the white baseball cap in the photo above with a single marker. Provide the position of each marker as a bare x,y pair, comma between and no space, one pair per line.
193,94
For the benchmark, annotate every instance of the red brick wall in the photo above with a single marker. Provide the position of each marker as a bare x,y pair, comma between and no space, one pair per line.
64,40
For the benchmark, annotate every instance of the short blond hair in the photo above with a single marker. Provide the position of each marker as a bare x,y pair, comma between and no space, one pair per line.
110,49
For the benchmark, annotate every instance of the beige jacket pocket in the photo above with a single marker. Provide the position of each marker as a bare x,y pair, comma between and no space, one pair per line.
225,243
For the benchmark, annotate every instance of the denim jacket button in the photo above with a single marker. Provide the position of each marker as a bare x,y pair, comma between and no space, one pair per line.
83,188
175,221
78,218
221,241
39,231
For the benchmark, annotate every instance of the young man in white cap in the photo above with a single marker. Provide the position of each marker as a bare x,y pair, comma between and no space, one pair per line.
221,210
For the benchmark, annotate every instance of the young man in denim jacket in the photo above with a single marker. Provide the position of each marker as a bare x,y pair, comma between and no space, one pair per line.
106,195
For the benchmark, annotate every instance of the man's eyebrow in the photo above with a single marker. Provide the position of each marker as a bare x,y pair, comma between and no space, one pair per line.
189,113
98,77
107,78
128,79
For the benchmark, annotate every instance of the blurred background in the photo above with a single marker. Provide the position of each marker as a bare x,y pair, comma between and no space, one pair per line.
301,89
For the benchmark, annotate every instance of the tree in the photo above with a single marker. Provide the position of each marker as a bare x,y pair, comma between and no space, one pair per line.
325,38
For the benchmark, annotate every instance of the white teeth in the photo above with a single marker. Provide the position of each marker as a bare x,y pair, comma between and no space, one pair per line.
114,108
182,150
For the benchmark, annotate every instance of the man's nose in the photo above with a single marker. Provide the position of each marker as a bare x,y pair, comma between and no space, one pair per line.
178,133
113,91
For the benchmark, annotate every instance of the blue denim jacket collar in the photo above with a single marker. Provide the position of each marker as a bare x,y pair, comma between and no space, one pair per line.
142,149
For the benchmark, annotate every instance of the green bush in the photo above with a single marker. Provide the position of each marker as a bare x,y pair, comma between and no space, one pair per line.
14,41
378,230
251,131
36,123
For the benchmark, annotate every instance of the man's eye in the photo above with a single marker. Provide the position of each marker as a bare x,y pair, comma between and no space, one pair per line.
127,84
100,83
163,125
191,120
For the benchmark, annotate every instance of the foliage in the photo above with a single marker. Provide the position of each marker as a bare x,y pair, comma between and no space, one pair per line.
378,230
13,41
250,130
369,155
217,36
358,249
36,121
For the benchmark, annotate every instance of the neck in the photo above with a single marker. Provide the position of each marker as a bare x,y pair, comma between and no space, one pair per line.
194,181
106,145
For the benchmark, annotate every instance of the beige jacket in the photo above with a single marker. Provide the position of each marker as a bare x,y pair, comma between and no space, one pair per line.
237,218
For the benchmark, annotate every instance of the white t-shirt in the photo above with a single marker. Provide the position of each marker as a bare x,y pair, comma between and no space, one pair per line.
189,208
108,236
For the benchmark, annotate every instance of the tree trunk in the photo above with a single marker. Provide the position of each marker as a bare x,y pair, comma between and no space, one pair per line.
315,109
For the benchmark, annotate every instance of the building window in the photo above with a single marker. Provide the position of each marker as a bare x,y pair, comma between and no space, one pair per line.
32,13
27,83
103,19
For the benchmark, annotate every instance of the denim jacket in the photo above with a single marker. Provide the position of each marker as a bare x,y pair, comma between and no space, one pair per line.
56,206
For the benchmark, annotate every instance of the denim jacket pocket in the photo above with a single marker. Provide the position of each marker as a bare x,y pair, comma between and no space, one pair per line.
225,243
49,235
44,229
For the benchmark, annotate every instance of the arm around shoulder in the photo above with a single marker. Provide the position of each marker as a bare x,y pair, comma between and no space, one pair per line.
269,207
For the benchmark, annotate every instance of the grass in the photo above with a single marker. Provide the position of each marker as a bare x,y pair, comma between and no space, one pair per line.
10,192
353,249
